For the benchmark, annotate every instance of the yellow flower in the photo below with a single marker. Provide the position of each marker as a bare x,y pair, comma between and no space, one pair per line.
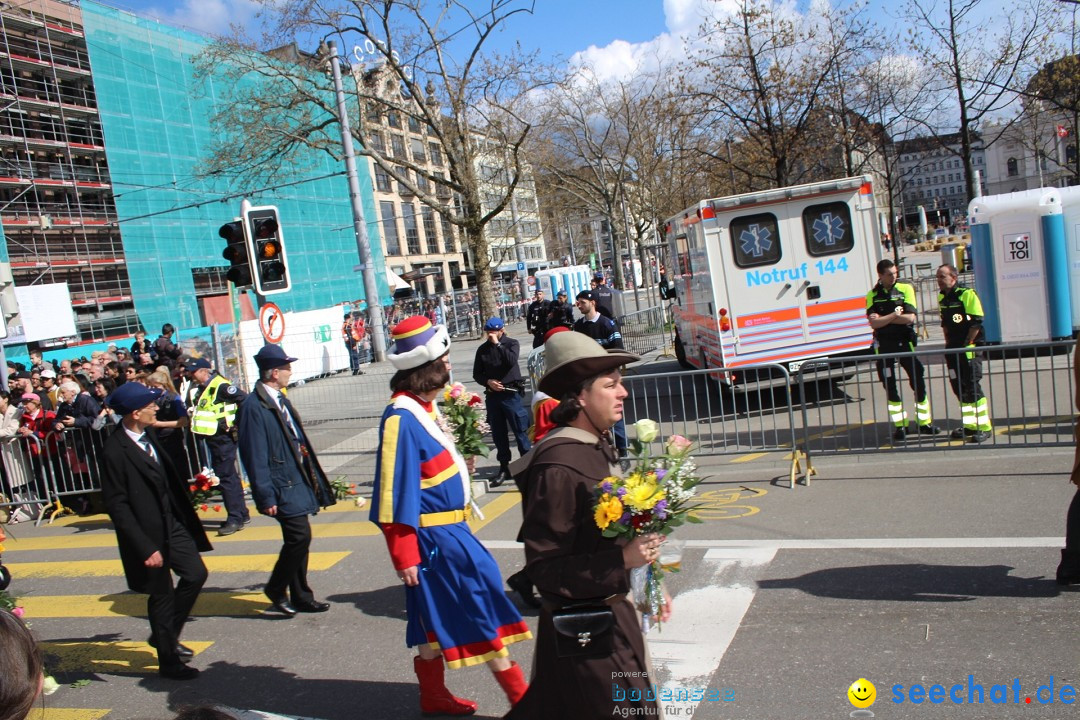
607,512
643,496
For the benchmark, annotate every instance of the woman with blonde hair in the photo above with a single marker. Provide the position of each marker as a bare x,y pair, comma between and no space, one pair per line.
172,419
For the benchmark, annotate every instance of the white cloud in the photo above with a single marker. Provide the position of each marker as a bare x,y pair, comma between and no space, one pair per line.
621,59
213,17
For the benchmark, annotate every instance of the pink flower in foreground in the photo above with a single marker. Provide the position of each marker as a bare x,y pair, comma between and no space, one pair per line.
677,445
18,611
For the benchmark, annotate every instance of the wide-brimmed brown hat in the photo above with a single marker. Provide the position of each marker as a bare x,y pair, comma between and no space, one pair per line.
571,357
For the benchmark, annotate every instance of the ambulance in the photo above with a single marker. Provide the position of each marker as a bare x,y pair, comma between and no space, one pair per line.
778,276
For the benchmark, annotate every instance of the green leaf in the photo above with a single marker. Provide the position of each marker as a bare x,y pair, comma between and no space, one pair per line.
694,519
80,683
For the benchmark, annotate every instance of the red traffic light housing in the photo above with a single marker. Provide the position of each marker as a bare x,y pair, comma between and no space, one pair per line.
270,269
236,252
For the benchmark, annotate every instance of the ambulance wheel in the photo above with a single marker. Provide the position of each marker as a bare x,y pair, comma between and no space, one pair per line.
680,354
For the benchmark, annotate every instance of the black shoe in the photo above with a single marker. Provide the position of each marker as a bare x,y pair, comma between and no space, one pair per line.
979,436
1068,572
899,434
182,651
312,607
247,520
520,584
229,528
930,429
282,605
961,434
503,476
178,672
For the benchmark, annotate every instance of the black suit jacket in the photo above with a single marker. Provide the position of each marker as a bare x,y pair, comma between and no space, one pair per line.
134,487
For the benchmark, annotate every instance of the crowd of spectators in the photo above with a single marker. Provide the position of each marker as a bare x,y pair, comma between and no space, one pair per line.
54,417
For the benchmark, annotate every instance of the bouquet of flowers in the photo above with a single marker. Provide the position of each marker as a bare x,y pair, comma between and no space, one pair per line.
655,497
202,487
463,416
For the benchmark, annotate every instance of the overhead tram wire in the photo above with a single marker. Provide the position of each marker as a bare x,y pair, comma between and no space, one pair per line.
226,198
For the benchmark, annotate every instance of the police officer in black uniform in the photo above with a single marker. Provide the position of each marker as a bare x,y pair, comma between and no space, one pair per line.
214,418
602,292
561,312
495,368
536,318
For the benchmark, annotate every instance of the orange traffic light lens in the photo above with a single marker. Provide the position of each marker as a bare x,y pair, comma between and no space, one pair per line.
270,250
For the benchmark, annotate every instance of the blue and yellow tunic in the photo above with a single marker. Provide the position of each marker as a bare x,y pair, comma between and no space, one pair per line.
459,606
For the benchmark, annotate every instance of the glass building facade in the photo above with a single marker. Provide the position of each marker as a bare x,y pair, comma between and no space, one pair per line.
155,250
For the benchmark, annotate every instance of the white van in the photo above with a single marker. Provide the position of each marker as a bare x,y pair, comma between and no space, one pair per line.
776,276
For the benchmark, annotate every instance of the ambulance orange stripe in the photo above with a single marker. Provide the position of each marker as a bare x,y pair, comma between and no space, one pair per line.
836,306
816,352
768,317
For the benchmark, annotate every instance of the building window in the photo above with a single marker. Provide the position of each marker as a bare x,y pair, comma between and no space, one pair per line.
414,124
436,154
430,232
393,120
397,144
378,143
418,155
422,183
382,180
447,234
389,226
412,233
401,188
1011,165
1070,154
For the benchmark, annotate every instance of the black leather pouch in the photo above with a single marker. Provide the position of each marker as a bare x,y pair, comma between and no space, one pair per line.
584,631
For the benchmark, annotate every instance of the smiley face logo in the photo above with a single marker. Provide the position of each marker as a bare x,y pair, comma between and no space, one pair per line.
862,693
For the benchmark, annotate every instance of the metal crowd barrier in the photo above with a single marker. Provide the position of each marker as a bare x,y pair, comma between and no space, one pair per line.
645,330
1029,389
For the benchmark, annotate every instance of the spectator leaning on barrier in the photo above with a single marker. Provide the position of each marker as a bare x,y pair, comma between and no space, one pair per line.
890,308
961,319
495,368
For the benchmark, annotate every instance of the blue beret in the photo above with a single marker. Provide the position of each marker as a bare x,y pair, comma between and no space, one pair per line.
131,396
493,324
272,356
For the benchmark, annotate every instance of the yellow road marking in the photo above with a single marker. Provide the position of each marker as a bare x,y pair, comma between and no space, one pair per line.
748,458
220,563
54,713
215,604
126,656
495,508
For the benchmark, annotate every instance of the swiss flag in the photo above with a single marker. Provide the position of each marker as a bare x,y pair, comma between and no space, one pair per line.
1062,131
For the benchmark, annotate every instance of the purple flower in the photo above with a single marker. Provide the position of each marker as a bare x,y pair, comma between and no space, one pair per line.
660,509
620,492
606,487
660,473
625,519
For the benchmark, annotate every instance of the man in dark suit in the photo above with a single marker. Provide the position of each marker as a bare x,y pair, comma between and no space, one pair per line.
156,527
287,482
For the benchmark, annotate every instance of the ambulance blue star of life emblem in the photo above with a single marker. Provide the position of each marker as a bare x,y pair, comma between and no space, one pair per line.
828,229
756,240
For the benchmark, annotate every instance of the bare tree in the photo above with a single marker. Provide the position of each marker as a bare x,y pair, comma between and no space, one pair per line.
760,73
431,70
1052,110
975,63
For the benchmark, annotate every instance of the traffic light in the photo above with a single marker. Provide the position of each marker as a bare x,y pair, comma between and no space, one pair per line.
236,252
269,266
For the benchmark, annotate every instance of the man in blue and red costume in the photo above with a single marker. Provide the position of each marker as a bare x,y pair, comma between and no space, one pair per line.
457,610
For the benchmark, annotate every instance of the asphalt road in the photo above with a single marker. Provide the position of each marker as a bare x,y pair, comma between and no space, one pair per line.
923,571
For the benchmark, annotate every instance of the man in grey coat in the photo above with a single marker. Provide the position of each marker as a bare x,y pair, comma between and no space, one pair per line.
287,482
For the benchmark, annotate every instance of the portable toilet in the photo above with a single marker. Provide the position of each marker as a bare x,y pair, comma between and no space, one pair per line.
571,279
1022,273
1070,211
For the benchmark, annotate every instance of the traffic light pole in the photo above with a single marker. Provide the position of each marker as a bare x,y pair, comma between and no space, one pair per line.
363,245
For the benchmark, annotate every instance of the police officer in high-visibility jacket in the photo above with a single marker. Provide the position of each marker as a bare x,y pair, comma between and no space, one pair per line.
891,309
214,418
961,319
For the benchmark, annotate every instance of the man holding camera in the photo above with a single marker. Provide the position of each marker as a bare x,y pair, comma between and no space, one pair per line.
496,369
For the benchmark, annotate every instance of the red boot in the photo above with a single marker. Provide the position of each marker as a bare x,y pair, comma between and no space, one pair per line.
512,681
435,699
